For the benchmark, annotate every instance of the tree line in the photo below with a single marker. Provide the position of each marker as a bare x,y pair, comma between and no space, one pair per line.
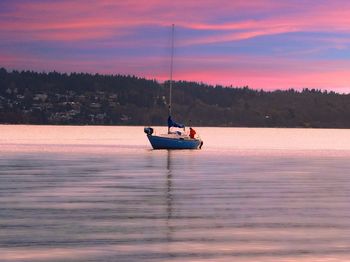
28,97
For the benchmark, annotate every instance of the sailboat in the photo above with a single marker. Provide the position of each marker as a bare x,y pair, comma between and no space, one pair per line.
173,139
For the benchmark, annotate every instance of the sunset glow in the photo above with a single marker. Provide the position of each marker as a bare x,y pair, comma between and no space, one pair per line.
267,44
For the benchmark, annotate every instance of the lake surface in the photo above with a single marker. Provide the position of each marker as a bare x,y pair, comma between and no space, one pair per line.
101,194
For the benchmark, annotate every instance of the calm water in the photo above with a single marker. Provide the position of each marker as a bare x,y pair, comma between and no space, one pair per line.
101,194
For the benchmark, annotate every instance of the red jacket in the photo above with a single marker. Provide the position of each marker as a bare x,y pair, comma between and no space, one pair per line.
192,133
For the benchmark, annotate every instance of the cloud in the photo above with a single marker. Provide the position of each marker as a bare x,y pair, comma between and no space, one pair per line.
102,19
257,72
265,72
131,37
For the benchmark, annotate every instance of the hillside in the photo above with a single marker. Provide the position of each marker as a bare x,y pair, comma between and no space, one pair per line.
77,98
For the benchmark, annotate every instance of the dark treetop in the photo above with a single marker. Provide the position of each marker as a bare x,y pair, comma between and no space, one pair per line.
80,99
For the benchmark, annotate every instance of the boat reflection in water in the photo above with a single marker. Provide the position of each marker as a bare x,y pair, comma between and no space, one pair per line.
169,197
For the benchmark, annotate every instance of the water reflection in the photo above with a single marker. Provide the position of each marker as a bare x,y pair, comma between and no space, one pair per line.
169,197
104,203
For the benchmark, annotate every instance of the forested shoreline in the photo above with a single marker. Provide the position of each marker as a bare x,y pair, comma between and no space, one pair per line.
28,97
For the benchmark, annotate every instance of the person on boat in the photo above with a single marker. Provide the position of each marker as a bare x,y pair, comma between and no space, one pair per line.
192,133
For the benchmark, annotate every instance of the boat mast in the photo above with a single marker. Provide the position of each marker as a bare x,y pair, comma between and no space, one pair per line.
171,67
171,71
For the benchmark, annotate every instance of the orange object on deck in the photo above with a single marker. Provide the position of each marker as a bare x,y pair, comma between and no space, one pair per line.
192,132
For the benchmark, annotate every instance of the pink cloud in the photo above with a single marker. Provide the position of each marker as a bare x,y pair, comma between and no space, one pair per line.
112,17
257,72
76,23
79,12
265,72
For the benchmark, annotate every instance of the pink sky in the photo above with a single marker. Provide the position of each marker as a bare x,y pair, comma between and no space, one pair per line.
265,44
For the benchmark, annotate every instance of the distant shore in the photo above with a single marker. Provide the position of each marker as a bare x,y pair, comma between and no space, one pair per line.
91,99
